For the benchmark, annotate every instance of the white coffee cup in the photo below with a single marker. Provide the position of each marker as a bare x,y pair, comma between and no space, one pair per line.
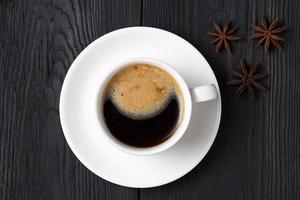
190,95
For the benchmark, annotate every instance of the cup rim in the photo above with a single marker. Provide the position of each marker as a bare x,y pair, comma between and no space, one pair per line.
180,130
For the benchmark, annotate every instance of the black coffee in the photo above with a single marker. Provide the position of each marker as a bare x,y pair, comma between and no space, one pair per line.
142,105
142,133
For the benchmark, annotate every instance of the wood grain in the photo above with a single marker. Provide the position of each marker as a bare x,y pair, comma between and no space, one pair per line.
256,155
39,40
257,151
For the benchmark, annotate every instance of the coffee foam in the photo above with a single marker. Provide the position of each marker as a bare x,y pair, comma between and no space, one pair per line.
142,91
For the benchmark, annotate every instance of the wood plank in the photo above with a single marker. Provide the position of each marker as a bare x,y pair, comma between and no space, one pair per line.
39,40
256,154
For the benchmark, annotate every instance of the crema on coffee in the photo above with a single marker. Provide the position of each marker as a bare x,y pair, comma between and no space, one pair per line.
142,105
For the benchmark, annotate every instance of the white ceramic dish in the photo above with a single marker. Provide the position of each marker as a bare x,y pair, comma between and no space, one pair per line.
79,125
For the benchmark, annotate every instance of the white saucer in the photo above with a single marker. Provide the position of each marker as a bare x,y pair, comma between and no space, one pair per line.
100,156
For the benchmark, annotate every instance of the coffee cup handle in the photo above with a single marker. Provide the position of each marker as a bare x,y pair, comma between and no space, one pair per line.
204,93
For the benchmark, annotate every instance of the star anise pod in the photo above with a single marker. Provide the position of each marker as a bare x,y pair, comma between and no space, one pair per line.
247,79
223,36
265,34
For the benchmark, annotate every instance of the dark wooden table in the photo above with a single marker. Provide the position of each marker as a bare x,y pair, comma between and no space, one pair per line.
256,154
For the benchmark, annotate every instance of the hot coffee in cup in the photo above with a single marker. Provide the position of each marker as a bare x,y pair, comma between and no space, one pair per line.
142,105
